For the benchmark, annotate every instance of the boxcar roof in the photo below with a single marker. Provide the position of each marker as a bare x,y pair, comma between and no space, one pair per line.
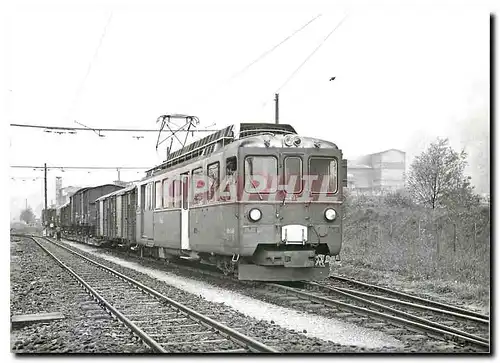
116,192
81,190
105,185
64,205
126,190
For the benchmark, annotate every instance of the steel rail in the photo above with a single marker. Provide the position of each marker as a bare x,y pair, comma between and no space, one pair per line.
415,322
435,304
406,303
240,338
405,314
134,328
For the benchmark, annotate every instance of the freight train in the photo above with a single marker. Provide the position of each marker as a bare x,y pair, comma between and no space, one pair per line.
254,199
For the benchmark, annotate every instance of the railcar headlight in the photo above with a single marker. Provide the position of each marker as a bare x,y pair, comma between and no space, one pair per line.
330,214
288,140
255,215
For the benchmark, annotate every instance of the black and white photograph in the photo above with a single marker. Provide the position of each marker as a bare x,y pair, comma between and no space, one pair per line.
231,178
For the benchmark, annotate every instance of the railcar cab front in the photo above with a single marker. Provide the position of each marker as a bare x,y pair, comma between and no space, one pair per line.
290,201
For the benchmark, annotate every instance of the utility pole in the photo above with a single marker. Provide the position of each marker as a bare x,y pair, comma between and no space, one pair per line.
45,191
277,108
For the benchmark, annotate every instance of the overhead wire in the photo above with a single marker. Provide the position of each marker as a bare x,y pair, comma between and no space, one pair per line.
102,129
263,55
26,178
259,58
243,70
89,68
81,167
310,55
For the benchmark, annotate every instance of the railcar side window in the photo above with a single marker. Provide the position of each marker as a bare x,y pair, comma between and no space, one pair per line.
261,169
325,171
143,197
177,192
151,196
158,196
166,195
231,165
148,197
198,183
185,188
293,174
213,171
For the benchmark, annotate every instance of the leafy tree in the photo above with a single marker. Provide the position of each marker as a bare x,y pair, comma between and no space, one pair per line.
436,178
27,216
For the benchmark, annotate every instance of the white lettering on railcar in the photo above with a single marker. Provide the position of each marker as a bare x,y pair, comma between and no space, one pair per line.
321,260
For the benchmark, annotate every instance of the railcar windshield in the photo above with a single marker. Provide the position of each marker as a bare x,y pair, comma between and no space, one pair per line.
261,174
292,174
323,174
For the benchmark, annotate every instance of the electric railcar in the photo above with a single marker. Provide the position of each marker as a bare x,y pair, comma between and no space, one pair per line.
258,199
254,199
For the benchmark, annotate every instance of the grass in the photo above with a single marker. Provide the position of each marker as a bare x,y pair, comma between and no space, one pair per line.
442,254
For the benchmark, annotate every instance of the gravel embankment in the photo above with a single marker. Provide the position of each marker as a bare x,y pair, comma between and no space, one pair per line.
39,285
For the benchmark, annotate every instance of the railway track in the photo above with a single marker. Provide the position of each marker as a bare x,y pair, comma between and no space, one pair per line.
380,293
166,326
449,328
476,336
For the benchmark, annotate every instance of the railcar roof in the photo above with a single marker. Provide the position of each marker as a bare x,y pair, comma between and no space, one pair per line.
209,144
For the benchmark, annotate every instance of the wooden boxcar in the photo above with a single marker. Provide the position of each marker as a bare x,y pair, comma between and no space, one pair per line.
64,220
116,215
84,208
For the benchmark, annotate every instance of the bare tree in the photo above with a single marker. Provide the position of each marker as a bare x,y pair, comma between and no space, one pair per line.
436,177
27,216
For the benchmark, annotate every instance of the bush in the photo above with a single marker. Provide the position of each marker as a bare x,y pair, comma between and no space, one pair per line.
398,199
390,234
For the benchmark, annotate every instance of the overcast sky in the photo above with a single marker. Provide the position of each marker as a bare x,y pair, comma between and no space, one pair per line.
404,75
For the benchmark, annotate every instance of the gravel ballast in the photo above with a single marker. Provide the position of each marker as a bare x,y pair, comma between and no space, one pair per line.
40,285
407,339
262,319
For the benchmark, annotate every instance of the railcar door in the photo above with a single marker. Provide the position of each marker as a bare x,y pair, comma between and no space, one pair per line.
148,223
185,212
142,209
